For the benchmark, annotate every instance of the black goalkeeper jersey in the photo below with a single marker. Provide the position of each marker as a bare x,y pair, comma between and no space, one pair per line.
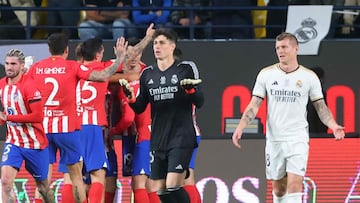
171,108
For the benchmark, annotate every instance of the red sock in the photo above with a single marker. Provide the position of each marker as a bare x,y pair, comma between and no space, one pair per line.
67,194
109,197
153,197
38,200
141,196
96,192
193,193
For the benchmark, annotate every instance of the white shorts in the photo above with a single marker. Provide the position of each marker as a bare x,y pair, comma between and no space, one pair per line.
283,157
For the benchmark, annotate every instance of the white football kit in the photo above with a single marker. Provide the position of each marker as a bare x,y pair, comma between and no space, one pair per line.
287,131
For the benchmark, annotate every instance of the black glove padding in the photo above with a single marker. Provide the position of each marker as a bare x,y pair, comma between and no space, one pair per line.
189,83
128,90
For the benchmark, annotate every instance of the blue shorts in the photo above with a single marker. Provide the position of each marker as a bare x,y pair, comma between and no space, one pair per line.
112,170
93,141
141,159
128,146
193,158
69,145
52,150
36,160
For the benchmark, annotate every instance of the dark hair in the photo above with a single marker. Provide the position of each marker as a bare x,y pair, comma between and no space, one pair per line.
90,48
57,42
178,53
286,35
132,41
168,33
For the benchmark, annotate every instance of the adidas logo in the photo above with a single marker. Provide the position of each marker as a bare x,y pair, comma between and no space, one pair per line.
179,167
150,82
274,83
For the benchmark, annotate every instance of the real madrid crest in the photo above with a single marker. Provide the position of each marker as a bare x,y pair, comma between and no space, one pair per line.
174,79
307,31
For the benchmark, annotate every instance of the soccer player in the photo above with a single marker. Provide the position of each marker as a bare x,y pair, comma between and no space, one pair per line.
171,88
25,138
58,78
135,136
94,118
287,86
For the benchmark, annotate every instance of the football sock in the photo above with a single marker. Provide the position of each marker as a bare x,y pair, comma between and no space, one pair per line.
96,192
67,193
141,196
193,193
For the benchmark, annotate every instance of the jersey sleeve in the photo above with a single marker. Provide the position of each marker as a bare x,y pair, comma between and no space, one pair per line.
259,89
315,88
82,71
193,73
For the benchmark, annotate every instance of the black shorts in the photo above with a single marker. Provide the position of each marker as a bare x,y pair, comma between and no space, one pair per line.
175,160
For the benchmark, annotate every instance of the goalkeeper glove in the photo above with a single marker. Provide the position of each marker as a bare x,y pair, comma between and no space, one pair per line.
189,85
128,90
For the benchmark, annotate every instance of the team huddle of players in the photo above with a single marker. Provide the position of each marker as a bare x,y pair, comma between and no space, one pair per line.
75,107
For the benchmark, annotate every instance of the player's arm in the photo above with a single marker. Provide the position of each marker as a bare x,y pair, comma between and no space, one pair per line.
120,52
139,47
127,76
34,116
246,118
128,116
327,118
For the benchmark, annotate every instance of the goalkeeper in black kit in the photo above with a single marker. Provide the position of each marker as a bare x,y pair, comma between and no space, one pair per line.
172,88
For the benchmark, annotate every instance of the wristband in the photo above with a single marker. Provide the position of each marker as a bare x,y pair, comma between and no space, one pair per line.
190,91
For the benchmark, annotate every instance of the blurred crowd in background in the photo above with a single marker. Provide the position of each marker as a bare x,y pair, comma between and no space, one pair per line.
192,19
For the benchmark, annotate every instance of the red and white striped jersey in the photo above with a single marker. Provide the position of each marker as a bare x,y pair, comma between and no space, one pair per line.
57,79
93,99
16,101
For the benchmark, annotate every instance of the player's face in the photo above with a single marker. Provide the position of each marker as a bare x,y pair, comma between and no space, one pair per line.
286,51
12,66
132,64
163,48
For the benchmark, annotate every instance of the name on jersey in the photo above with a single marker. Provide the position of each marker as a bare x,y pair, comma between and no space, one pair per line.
163,93
52,70
284,95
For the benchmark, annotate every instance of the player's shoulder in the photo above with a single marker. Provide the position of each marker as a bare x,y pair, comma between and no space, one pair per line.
306,70
149,68
268,69
186,64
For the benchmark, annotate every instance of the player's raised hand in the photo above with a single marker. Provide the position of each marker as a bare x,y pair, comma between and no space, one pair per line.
128,90
120,47
150,30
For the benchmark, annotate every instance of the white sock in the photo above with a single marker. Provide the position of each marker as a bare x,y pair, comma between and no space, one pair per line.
282,199
294,197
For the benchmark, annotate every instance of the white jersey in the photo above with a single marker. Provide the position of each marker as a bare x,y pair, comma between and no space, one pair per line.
287,96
